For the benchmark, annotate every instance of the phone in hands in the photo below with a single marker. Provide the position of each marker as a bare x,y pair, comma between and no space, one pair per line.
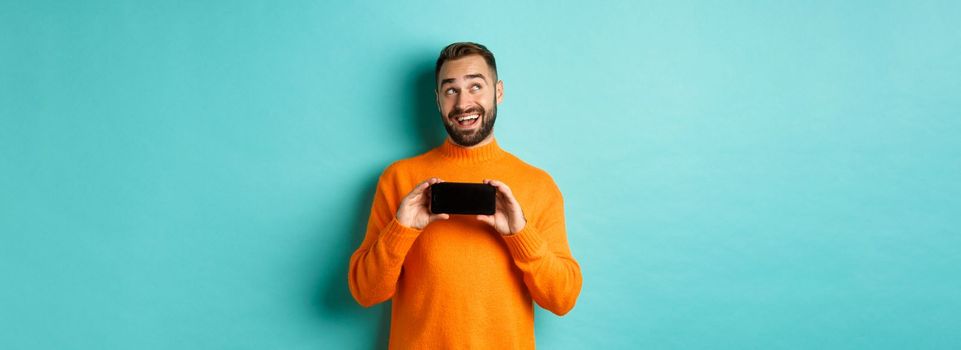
462,198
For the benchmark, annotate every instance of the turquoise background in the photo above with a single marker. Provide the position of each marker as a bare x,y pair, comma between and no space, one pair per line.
748,175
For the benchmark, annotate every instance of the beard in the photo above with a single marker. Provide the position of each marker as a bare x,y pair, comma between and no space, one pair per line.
468,138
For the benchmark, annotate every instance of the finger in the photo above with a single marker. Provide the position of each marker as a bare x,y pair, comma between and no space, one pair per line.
422,185
488,219
430,182
500,185
503,189
436,217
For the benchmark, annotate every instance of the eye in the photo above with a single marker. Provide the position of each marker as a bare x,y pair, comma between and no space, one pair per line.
475,87
449,91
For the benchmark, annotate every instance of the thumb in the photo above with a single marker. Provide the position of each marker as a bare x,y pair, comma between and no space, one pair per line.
488,219
436,217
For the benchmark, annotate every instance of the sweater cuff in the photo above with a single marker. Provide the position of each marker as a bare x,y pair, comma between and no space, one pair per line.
526,244
398,238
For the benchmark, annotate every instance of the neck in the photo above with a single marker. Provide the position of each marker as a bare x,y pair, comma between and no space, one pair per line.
483,142
483,151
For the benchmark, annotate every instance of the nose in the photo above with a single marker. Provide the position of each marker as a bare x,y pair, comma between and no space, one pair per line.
462,102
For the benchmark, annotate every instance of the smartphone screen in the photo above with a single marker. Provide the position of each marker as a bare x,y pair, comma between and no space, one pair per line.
462,198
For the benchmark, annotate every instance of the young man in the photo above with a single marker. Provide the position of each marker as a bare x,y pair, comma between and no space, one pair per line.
466,281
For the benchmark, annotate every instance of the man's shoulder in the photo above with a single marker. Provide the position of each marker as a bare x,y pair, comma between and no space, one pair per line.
529,170
533,184
405,165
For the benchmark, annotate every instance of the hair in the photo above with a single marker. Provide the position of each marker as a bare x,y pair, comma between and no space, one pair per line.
463,49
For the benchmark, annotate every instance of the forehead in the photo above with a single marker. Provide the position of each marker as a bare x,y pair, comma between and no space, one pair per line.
458,68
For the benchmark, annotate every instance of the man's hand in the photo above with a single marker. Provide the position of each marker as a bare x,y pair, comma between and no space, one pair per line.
414,210
508,217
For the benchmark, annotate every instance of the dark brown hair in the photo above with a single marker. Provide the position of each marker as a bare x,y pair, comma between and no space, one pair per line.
462,49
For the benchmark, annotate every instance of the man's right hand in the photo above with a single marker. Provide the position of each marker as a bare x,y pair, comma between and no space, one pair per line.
414,210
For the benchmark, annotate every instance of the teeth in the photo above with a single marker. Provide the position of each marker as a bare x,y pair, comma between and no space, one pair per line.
470,117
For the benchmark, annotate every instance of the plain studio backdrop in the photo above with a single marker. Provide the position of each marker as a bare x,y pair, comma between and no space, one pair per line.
749,175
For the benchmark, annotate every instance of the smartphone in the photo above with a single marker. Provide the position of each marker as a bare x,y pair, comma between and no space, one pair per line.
462,198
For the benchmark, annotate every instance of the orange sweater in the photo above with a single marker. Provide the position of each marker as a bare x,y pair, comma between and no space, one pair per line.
458,284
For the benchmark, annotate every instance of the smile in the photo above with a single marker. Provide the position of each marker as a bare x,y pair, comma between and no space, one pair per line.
467,120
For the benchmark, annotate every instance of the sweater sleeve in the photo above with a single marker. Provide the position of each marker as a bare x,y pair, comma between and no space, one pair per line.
376,265
541,252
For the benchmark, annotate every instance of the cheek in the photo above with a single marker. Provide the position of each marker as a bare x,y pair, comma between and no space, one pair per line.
445,108
488,101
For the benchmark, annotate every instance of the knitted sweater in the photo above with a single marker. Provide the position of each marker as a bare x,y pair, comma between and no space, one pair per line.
458,283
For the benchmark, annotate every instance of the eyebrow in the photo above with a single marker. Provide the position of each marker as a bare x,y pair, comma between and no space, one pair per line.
469,76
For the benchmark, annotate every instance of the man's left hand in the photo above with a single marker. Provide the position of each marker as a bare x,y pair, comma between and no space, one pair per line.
508,217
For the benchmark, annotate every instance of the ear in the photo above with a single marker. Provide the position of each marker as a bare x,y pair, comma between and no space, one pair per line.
437,100
499,91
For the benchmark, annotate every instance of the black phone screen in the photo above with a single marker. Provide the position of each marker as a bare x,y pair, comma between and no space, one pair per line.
462,198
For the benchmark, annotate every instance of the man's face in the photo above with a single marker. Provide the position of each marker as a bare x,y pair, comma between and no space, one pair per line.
467,97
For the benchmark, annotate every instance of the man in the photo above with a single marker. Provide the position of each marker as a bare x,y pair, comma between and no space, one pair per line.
466,281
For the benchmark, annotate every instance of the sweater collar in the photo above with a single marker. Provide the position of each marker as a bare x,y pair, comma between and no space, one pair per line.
477,154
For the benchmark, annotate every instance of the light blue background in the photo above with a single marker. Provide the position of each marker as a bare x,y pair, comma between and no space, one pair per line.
748,175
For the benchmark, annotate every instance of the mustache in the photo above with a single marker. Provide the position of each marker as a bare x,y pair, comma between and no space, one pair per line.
470,110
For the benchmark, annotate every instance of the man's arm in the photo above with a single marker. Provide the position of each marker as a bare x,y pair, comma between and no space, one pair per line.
539,248
376,265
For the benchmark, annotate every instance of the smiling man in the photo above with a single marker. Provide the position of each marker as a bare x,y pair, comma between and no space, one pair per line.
466,281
